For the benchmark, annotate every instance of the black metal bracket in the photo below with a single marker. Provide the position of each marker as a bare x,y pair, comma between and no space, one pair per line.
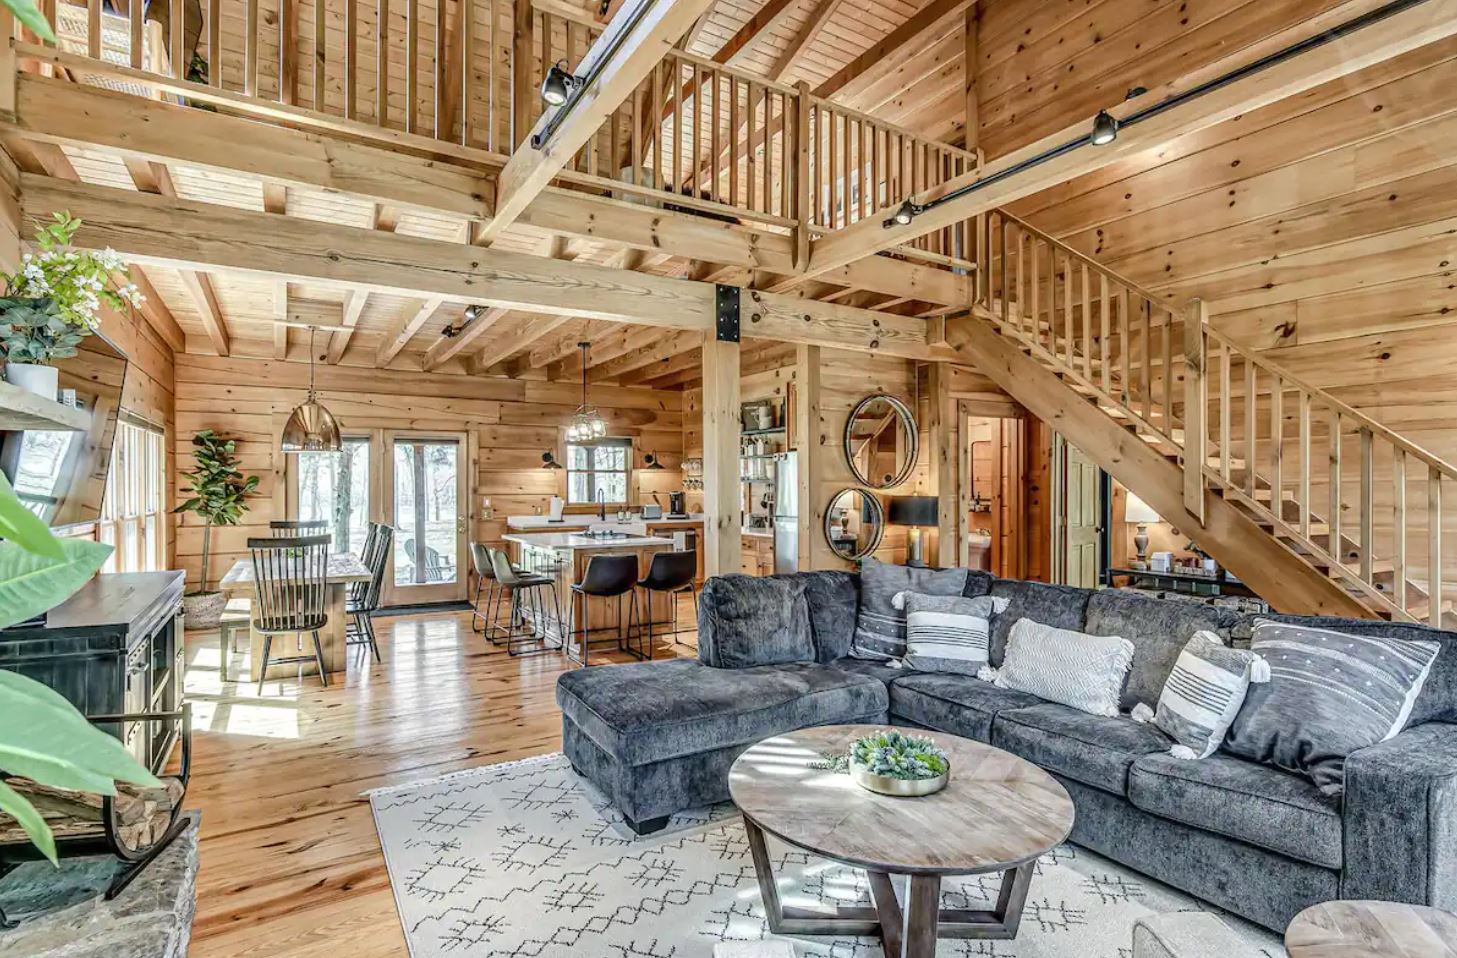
726,313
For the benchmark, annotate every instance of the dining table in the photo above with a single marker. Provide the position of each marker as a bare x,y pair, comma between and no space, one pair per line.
344,569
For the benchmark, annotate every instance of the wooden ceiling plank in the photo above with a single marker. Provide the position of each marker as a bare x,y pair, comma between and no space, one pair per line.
883,55
514,359
769,15
353,309
404,329
205,299
1391,37
823,12
635,46
448,347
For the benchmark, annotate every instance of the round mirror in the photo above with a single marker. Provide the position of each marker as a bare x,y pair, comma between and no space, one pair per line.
854,523
881,441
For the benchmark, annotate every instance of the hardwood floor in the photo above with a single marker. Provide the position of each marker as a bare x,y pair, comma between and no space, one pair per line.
290,861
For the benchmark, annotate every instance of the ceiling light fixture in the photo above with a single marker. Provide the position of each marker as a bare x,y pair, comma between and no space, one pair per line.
1105,129
559,84
587,423
311,427
562,89
903,215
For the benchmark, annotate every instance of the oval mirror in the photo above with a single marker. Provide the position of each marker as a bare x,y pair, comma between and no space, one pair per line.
854,523
881,442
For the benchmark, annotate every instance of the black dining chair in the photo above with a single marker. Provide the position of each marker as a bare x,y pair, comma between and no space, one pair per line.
290,589
606,576
298,527
532,597
669,573
363,597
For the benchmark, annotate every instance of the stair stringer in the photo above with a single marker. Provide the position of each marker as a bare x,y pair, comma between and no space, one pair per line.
1240,544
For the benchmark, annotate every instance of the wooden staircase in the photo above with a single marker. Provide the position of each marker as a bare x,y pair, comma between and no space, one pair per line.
1315,505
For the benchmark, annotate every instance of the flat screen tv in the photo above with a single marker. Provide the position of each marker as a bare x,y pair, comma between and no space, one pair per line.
61,475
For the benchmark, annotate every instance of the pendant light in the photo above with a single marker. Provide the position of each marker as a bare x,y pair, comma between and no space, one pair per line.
587,423
311,427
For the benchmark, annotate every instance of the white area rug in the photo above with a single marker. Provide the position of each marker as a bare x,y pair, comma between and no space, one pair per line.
527,860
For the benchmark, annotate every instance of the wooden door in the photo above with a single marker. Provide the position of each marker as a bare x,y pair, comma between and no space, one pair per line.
1081,518
425,495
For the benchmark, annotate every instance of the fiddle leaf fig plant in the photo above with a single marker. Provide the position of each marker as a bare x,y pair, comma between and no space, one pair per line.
218,490
38,570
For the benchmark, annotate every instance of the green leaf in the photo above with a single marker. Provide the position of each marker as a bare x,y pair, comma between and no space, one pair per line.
44,738
23,527
31,584
36,829
27,14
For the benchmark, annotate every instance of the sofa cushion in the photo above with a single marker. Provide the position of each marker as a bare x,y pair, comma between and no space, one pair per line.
880,627
958,704
650,711
745,621
1092,749
1060,606
833,599
886,672
978,583
1254,803
1158,629
1438,699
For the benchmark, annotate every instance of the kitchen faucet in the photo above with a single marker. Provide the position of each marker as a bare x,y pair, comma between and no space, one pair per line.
602,504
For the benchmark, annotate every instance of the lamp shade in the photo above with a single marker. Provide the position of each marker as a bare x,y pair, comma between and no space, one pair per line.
913,511
1139,511
311,428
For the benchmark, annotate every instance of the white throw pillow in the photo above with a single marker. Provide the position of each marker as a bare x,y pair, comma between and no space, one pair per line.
1085,672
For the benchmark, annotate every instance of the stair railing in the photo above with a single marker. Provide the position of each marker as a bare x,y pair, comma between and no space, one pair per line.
1244,426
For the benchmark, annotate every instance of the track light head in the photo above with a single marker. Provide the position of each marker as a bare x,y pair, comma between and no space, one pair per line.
558,84
904,213
1105,128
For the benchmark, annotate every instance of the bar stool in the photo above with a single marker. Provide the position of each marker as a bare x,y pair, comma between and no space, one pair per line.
480,557
519,585
670,573
606,576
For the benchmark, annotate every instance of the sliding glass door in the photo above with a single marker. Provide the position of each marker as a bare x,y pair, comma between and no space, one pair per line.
427,499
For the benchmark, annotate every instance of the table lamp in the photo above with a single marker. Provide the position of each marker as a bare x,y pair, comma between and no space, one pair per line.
917,512
1138,512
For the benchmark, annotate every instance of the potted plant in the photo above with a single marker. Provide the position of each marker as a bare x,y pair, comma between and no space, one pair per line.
218,490
55,302
893,763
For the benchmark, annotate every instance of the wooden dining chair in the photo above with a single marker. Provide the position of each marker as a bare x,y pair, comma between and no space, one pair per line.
290,592
298,527
363,597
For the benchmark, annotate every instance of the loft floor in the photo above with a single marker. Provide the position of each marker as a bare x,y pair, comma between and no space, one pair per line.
290,861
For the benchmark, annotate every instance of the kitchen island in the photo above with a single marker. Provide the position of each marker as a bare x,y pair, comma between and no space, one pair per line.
563,557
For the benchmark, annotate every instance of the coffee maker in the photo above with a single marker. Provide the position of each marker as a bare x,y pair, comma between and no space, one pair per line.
677,507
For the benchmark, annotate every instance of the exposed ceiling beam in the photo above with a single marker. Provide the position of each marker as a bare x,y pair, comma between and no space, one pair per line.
448,347
404,329
205,300
626,52
193,235
823,12
687,361
515,357
353,309
1397,34
154,310
884,52
658,351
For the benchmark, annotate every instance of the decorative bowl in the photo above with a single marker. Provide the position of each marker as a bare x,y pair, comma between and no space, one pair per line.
898,787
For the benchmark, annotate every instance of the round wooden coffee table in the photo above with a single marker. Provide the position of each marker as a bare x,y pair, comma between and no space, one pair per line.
999,813
1372,929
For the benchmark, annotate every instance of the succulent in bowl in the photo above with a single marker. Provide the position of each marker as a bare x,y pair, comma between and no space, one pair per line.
893,754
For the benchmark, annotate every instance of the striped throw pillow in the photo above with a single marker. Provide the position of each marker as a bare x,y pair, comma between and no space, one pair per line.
1204,693
946,633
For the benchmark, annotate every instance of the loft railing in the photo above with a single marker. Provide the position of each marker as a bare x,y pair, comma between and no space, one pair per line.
1339,488
453,75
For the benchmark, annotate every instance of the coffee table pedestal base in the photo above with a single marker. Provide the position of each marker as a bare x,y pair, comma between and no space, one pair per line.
906,931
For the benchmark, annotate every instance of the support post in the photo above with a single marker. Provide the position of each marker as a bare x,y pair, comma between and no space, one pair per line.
945,462
807,433
8,65
801,175
523,92
973,97
1195,408
722,508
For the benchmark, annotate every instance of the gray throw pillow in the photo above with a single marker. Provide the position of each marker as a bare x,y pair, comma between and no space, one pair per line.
1330,693
949,633
745,621
1203,694
880,628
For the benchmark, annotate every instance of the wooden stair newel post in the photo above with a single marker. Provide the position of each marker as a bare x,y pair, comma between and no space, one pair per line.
722,519
1195,407
806,442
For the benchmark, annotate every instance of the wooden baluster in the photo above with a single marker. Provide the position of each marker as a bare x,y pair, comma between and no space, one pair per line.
655,116
788,150
677,166
862,167
1087,325
815,135
1303,481
1226,402
1277,446
93,30
250,47
175,54
636,139
1367,506
1434,546
320,40
1069,319
734,124
1034,284
751,158
287,51
1105,329
351,58
1398,526
1333,474
465,10
1125,347
1003,230
137,34
1167,370
412,61
382,62
695,137
832,170
1252,447
440,123
803,147
1145,312
1195,406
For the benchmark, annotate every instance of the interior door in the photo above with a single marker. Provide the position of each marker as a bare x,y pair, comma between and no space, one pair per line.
1081,517
426,499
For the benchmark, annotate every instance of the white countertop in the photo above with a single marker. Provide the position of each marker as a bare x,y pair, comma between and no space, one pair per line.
759,533
589,520
581,543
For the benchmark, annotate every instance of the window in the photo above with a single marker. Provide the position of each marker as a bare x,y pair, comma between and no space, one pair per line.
131,511
334,486
598,465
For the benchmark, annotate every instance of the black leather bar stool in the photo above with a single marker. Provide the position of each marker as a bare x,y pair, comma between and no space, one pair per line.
670,573
606,576
527,596
480,557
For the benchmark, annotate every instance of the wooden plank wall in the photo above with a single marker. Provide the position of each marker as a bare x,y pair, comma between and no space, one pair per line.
510,424
1320,230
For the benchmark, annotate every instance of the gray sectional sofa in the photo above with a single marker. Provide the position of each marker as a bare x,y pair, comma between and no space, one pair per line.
658,737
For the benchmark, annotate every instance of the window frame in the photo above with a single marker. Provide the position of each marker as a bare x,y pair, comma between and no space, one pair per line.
629,453
134,503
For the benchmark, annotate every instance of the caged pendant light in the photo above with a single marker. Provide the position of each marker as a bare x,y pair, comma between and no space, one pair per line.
587,423
311,427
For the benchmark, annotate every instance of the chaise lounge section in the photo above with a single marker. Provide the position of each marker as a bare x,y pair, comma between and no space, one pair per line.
659,737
